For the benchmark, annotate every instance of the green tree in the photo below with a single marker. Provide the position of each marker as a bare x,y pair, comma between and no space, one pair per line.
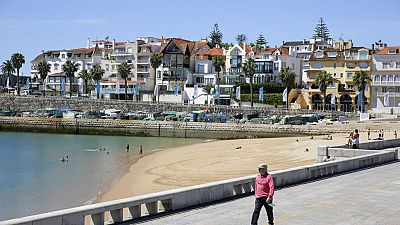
218,63
249,69
7,68
18,60
155,62
361,80
43,69
97,74
321,30
323,80
86,76
241,38
124,69
261,40
70,68
207,89
215,36
288,78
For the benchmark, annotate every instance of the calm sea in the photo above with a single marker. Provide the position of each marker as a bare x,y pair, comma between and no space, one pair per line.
33,179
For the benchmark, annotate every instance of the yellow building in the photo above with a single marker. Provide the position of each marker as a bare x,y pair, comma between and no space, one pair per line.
342,61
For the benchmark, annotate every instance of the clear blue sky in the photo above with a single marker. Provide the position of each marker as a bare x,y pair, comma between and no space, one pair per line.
29,26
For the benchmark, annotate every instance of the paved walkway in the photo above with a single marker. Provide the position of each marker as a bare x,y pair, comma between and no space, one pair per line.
369,196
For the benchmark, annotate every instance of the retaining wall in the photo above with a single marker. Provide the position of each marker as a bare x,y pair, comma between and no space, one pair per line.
133,208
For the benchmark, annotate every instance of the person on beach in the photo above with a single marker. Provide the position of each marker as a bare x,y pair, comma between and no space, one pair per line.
356,139
127,148
382,134
369,133
350,141
141,150
395,134
264,191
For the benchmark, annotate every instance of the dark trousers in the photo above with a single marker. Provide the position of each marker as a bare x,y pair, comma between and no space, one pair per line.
260,202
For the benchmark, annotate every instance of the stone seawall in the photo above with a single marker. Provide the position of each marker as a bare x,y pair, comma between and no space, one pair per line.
10,102
157,128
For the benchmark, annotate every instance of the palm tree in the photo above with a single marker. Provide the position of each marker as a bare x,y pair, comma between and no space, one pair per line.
86,77
70,68
43,69
207,89
249,69
361,80
97,73
218,62
124,70
287,77
17,60
7,68
155,62
323,80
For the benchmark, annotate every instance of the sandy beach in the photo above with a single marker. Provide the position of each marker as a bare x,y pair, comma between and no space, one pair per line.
217,160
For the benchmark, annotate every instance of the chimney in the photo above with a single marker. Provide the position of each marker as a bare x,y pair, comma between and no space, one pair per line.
373,47
217,46
283,42
304,41
88,43
113,44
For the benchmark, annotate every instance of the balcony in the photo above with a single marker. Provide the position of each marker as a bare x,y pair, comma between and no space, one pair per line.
143,62
141,70
391,94
385,83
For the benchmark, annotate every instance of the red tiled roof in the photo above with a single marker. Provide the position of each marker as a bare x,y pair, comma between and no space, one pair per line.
216,51
185,45
269,50
386,50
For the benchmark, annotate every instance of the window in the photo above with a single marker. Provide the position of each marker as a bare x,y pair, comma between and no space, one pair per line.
200,68
341,74
391,64
392,51
319,54
298,48
276,66
346,53
363,65
159,74
397,65
332,54
390,78
363,55
201,56
317,65
63,56
350,65
349,75
56,66
385,65
334,74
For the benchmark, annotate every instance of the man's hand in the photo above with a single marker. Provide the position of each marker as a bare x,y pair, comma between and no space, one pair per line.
269,199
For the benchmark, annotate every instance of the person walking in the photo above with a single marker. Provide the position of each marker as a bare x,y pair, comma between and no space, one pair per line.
141,150
369,133
395,134
356,139
264,191
127,148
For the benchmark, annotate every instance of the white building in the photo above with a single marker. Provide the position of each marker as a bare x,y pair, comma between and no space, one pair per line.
303,50
385,75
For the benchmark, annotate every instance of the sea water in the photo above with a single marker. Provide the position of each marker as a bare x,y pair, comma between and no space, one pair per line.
33,179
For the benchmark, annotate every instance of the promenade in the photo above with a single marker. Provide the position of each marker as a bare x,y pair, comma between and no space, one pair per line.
370,196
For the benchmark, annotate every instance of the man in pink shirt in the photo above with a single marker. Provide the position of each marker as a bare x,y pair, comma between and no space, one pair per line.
264,191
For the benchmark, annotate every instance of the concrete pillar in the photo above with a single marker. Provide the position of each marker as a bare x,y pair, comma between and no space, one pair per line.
117,215
165,205
152,207
135,211
97,219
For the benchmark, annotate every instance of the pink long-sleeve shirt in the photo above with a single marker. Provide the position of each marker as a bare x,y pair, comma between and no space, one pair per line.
264,186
